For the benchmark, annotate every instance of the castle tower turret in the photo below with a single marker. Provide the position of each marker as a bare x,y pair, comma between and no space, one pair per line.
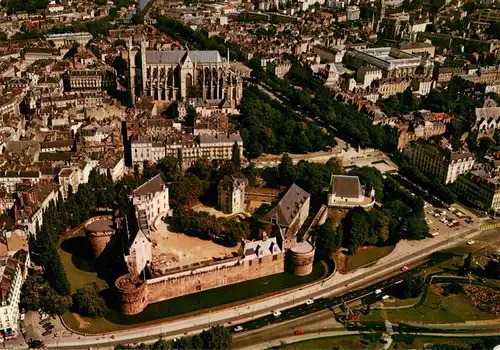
99,231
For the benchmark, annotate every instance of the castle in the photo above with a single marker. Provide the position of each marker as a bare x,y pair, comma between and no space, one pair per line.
141,286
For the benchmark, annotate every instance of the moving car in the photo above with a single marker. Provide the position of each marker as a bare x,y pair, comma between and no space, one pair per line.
238,329
471,242
299,331
405,268
378,291
309,301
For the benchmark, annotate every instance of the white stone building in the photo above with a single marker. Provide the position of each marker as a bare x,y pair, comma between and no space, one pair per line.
347,192
231,194
13,271
152,198
441,163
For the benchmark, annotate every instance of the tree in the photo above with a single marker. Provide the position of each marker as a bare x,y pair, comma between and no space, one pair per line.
326,240
88,302
120,65
37,294
217,337
492,269
286,171
412,286
251,174
356,227
467,266
190,116
236,156
417,228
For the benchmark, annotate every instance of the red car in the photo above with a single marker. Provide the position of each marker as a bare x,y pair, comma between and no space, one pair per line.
299,331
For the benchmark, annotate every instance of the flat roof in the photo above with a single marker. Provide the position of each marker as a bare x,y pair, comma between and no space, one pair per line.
100,225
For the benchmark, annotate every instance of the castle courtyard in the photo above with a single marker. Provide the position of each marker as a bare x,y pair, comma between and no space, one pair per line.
173,250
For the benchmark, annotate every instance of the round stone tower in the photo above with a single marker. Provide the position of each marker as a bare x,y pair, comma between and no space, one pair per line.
132,294
301,259
99,231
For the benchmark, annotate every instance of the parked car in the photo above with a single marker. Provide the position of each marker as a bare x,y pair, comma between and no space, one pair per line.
405,268
309,301
238,329
277,313
299,331
471,242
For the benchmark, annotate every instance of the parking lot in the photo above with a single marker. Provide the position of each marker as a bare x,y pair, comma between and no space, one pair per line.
449,221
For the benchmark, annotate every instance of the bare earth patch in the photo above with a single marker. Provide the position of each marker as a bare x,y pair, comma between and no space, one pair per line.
82,324
176,250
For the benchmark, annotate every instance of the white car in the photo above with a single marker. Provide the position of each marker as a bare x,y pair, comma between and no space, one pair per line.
470,242
277,313
309,301
238,329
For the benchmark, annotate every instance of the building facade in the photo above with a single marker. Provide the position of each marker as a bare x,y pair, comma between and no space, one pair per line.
394,63
152,197
89,79
479,189
13,272
66,39
189,148
443,164
231,194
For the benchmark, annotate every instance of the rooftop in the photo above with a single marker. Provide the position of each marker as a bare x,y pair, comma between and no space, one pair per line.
154,185
288,207
100,224
346,186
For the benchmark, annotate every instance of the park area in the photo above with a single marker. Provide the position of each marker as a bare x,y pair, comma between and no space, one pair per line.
434,307
365,256
370,341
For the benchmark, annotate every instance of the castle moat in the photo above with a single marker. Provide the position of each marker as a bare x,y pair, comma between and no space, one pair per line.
193,304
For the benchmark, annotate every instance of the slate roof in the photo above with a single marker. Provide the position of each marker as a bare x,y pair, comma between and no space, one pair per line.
265,247
288,207
346,186
177,56
154,185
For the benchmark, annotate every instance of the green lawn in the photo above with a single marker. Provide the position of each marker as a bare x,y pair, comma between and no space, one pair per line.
402,302
341,342
197,303
80,270
365,256
420,342
358,342
436,309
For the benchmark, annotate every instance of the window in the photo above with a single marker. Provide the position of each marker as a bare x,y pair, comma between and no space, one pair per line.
260,260
250,263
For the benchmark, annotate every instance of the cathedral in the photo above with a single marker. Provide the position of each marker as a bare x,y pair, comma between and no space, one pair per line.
177,75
